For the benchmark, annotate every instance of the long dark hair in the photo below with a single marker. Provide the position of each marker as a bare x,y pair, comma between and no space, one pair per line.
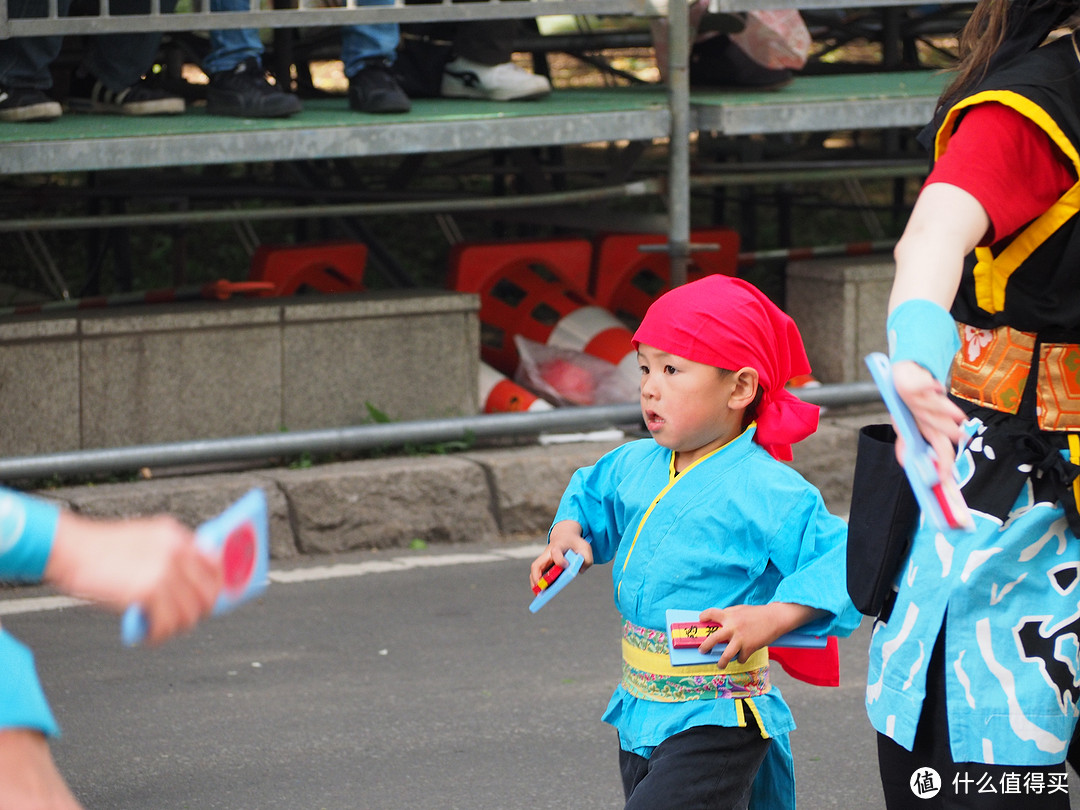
980,39
997,32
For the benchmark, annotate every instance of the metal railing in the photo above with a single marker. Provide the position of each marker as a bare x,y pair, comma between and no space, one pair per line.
196,16
366,437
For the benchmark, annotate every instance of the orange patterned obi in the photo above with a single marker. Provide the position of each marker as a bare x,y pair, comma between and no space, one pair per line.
993,366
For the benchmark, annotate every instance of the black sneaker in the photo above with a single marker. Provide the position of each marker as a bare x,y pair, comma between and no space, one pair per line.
27,104
245,92
87,95
375,90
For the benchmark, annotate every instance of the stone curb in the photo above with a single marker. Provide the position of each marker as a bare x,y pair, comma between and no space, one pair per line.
480,496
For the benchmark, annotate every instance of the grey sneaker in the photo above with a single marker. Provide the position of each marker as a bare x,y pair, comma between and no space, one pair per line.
463,78
27,104
87,95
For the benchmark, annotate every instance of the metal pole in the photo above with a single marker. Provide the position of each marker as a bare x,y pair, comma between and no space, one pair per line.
636,188
678,206
821,251
365,437
679,147
309,16
815,174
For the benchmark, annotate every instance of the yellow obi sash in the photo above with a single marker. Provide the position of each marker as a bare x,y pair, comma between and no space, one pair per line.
647,672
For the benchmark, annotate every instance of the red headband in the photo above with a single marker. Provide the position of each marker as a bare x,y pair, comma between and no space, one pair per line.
728,323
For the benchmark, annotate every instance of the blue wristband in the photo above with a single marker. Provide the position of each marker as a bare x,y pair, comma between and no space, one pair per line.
22,703
922,331
27,531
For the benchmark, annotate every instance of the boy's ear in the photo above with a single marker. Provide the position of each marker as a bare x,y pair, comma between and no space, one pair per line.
746,388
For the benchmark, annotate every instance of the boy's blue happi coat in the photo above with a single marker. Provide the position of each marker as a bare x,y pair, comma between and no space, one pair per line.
736,528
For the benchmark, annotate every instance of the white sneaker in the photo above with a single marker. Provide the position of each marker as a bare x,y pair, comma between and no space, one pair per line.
506,82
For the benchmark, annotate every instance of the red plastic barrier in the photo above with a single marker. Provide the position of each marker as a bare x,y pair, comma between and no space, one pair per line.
536,290
326,267
626,280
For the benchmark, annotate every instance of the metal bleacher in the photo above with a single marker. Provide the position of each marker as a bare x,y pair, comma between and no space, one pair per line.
816,103
863,100
325,130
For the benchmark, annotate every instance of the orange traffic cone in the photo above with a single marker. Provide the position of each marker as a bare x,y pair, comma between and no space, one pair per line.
500,394
537,290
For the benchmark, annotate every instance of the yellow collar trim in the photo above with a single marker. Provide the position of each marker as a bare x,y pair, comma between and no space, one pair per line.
992,273
749,703
673,477
1074,457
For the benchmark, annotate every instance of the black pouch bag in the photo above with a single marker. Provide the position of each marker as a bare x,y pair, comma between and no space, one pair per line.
882,519
418,66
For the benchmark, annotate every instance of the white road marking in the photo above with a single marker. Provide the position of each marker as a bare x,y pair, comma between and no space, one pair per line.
316,573
38,604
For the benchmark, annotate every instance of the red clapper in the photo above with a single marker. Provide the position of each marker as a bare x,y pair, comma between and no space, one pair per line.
813,659
547,578
239,538
556,580
685,635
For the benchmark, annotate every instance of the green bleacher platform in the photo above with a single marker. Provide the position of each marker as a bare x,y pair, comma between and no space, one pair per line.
823,102
327,128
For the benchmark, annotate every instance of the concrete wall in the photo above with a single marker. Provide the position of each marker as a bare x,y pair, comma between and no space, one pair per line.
840,307
164,373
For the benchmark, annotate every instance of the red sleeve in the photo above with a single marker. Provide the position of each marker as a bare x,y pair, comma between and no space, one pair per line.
994,155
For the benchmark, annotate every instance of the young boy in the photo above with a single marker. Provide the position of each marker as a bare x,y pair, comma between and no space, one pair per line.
704,517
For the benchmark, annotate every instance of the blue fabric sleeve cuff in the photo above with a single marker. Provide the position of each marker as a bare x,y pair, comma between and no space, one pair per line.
922,331
27,531
22,703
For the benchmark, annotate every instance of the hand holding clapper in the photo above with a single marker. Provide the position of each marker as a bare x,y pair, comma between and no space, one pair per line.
939,499
239,539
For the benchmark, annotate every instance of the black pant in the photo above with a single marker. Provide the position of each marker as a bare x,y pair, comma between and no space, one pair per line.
961,784
488,42
702,768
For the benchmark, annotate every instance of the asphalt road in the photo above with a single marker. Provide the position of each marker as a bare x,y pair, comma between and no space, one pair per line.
385,681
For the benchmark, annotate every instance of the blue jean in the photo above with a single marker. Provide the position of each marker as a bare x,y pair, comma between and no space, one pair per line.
116,60
359,43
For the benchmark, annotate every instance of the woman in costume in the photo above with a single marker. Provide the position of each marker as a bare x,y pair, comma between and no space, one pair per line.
975,662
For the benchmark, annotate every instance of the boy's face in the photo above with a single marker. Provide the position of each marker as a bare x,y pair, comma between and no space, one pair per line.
689,407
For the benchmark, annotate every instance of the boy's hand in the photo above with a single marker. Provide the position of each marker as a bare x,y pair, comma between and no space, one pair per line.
566,534
747,628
